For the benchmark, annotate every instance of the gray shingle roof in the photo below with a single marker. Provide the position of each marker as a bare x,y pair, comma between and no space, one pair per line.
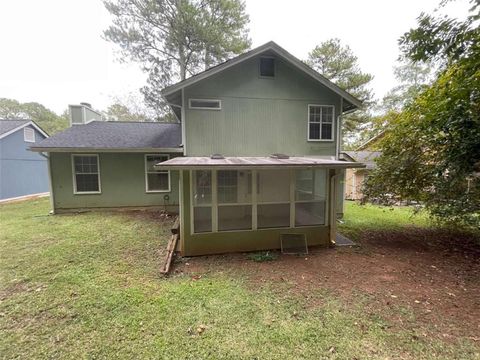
7,125
366,157
116,135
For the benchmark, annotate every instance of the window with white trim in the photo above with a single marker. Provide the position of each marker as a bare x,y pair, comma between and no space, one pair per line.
86,174
205,104
156,180
28,134
320,122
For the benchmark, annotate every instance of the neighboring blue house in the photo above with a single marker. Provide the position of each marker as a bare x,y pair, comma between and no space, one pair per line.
22,172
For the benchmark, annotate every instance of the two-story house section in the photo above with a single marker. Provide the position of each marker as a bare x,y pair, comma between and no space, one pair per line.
22,172
253,159
260,136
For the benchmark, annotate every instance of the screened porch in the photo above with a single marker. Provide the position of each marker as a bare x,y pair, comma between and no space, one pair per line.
256,193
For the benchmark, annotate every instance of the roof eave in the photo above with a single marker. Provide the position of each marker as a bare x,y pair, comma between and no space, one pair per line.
100,149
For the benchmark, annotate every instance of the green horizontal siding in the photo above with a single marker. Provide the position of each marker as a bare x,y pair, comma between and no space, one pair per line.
122,182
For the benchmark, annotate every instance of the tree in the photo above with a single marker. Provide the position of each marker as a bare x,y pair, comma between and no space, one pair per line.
413,77
338,64
173,39
431,152
45,118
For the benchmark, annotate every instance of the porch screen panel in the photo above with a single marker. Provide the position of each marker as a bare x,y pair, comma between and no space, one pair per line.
234,200
310,197
202,201
273,209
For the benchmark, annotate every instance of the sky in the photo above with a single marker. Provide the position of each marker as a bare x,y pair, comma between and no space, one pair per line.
52,51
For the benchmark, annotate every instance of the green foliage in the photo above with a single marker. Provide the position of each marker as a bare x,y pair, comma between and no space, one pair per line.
45,118
431,152
338,64
173,39
120,112
263,256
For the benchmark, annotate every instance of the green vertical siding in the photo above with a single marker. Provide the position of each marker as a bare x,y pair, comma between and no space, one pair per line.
122,182
259,116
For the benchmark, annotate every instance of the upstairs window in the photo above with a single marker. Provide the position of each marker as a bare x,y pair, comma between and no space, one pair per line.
320,122
156,180
86,174
267,67
205,104
28,134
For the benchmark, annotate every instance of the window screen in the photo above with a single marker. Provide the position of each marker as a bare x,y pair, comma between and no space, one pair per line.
202,201
86,174
205,104
267,67
310,196
156,180
320,122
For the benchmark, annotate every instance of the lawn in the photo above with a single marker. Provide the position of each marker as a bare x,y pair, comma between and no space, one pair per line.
88,286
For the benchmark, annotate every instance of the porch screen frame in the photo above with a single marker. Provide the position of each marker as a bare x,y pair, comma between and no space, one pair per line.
254,202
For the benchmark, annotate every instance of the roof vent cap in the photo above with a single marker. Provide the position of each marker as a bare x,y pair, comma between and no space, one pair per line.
279,156
217,157
86,104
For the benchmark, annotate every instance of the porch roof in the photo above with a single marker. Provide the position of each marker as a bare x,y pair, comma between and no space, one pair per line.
205,162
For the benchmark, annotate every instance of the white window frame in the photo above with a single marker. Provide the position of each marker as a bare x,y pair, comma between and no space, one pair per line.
156,172
204,108
274,67
74,177
321,121
26,138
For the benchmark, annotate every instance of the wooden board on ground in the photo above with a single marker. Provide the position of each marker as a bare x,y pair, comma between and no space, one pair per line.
171,246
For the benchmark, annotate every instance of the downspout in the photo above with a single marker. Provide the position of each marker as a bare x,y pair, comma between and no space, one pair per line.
50,184
333,210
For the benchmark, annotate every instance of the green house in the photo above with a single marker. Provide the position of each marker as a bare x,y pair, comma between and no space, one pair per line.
253,161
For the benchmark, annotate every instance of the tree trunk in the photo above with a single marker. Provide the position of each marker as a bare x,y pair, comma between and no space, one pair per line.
182,64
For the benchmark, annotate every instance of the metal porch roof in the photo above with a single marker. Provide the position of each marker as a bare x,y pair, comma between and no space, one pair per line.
204,162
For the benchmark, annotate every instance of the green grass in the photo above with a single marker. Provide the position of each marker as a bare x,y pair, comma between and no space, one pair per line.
88,286
359,218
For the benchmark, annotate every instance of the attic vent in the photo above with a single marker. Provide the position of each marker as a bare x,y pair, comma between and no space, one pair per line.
267,67
293,244
217,157
279,156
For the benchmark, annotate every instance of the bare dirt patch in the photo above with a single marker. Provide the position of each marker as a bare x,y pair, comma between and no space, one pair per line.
433,274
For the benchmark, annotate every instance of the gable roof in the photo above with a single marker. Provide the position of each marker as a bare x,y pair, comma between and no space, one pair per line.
366,157
9,126
115,136
352,102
